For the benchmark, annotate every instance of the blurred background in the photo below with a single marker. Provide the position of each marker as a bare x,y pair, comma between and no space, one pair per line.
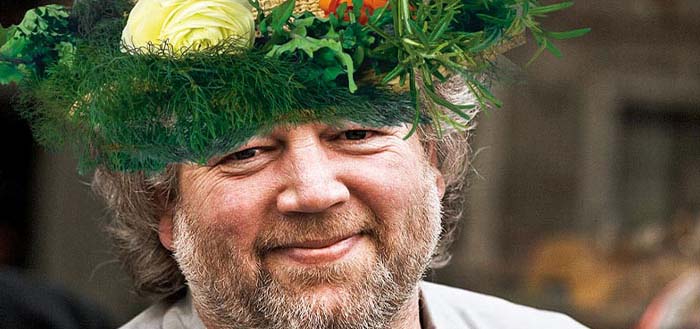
585,196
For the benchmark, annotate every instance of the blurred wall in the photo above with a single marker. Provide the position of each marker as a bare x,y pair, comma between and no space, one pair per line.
60,240
70,246
570,156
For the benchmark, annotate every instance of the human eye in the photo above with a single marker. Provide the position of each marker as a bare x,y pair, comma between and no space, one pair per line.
246,159
360,140
246,154
356,134
250,154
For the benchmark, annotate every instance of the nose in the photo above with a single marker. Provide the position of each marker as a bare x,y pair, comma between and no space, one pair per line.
312,184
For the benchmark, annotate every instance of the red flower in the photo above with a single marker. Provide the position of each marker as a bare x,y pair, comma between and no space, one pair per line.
331,6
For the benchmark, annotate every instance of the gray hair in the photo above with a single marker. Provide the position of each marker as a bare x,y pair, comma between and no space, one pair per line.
138,200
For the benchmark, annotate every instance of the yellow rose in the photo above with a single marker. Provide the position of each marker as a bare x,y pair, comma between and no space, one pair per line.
189,23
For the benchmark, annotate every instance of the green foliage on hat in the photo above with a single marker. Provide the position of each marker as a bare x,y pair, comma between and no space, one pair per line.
127,108
143,112
40,40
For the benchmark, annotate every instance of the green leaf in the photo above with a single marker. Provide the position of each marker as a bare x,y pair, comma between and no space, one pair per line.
359,56
42,37
494,20
349,39
553,49
305,22
491,39
300,31
310,46
333,19
9,73
263,28
550,8
300,25
280,16
66,53
29,23
6,33
14,47
357,7
568,34
379,14
442,25
456,108
331,73
57,11
325,57
340,11
396,71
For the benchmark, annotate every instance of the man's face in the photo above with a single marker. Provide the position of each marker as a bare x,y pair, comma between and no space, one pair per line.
308,227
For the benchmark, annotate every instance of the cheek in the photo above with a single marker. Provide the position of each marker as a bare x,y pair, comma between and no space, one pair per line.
388,185
234,210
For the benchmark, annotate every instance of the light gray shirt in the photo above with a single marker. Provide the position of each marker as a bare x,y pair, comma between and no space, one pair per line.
451,308
442,307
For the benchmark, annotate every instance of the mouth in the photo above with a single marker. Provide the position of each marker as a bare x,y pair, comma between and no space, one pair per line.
312,252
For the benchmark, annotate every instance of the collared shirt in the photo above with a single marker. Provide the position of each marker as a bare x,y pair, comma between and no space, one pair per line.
426,320
441,307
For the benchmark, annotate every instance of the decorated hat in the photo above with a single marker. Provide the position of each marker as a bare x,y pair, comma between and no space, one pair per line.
136,86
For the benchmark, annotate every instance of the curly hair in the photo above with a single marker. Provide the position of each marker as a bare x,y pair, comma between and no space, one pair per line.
137,201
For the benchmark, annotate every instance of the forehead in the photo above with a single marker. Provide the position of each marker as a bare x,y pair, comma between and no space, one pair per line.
288,128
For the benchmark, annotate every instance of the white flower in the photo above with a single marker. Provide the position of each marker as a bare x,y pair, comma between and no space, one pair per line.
194,24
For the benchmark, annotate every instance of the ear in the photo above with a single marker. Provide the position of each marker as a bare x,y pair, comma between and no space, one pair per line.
165,230
439,178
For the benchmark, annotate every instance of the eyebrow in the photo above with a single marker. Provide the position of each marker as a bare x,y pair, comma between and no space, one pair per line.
346,124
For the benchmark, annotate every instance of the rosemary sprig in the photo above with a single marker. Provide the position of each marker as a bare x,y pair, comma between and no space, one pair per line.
436,39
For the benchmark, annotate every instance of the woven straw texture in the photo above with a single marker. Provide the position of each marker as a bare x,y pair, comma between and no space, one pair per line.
299,6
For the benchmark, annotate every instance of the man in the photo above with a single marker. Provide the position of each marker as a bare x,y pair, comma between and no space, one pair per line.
254,185
309,226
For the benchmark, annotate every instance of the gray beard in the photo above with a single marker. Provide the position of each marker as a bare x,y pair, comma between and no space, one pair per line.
258,300
372,305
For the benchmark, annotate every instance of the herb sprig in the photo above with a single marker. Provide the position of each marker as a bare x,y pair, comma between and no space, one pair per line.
144,109
39,41
439,38
420,43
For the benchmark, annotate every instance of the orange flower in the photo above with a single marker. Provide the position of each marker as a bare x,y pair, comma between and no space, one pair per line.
330,7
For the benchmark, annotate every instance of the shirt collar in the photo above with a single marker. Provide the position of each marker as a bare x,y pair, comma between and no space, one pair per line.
426,320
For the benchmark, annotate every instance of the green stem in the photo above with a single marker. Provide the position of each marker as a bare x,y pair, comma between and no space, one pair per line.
14,60
405,12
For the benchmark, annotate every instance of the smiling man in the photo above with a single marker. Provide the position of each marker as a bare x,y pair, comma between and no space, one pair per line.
274,164
310,226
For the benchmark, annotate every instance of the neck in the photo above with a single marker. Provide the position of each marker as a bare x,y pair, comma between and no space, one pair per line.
408,316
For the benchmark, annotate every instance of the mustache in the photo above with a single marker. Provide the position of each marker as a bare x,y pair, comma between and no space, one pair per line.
294,229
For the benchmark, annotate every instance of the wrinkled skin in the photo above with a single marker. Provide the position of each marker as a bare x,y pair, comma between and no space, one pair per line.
252,229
